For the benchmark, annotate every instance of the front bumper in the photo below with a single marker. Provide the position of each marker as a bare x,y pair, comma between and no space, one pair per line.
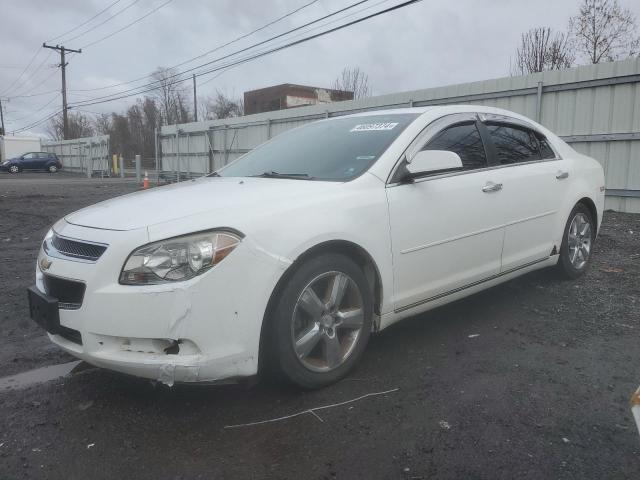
203,329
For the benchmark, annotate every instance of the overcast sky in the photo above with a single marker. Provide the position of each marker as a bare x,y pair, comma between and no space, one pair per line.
432,43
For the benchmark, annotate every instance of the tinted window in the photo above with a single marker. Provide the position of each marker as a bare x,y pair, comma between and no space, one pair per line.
337,149
29,156
545,150
513,144
463,139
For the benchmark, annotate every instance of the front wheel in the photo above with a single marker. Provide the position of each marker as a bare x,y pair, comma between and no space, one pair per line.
14,169
577,242
322,321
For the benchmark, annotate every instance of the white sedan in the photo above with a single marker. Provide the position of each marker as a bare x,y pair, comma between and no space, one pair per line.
288,258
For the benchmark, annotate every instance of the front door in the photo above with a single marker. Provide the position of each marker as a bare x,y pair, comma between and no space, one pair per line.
28,161
444,233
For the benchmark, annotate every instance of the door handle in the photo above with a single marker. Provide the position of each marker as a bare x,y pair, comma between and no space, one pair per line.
560,175
492,187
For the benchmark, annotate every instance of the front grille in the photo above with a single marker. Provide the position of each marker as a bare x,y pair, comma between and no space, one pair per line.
77,249
68,292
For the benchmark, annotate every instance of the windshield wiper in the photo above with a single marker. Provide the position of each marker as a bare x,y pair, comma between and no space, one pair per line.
213,174
294,176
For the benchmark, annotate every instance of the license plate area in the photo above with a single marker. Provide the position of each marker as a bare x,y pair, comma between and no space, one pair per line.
43,310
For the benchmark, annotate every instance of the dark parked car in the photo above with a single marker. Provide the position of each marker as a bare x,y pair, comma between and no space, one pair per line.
32,161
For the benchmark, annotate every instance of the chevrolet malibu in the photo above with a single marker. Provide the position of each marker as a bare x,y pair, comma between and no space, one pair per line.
287,259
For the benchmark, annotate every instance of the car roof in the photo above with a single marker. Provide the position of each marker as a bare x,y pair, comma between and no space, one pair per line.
436,109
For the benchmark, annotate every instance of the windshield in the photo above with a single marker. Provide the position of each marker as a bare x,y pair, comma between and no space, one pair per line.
339,149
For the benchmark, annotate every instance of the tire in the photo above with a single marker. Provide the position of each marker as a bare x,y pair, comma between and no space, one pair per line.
577,243
14,169
52,169
313,341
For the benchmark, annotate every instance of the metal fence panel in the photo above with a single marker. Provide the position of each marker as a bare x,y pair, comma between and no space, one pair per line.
596,108
89,155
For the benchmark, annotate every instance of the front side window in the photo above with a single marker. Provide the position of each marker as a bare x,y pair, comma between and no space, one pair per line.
463,139
337,150
513,144
29,156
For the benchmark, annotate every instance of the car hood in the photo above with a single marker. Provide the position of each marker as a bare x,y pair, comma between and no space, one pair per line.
227,199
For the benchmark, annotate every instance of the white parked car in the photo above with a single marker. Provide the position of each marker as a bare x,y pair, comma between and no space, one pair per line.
289,257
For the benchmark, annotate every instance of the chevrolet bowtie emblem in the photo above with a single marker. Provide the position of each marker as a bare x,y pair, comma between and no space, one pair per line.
45,263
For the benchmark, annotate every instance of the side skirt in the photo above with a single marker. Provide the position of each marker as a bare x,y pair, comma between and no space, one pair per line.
464,291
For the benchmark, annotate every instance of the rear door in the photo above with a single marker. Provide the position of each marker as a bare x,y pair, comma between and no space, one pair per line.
444,229
533,180
41,160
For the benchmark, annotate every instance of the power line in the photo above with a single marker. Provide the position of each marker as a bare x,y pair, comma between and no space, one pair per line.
253,57
26,92
204,54
54,38
36,94
128,25
83,23
240,61
226,69
21,73
336,12
38,110
36,123
104,21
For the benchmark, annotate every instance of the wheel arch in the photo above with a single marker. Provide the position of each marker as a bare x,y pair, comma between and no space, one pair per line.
590,204
350,249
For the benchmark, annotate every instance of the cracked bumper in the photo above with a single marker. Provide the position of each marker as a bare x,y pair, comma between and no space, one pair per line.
214,319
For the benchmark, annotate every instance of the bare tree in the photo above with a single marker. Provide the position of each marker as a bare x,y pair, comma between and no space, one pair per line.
605,31
352,79
540,49
102,124
221,106
170,96
79,125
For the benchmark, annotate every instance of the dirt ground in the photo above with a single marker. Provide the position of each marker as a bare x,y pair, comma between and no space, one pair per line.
530,379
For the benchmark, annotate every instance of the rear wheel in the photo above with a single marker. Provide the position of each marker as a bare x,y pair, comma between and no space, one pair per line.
52,169
14,169
322,321
577,242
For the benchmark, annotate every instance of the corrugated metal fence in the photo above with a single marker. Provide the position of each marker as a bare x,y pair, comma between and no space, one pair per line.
89,155
595,108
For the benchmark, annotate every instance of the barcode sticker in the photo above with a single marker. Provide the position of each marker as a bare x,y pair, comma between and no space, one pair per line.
371,127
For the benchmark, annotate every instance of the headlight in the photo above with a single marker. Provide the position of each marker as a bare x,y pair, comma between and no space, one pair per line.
179,258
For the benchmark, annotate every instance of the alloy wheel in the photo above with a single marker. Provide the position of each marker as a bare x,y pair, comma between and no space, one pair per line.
327,321
579,240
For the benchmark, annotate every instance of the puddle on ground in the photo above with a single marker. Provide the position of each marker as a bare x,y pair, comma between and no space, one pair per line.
39,375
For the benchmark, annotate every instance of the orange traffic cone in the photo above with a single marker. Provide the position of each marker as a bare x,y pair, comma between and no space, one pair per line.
145,181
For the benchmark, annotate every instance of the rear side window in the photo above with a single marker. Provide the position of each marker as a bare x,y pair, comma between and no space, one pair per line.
546,152
513,144
463,139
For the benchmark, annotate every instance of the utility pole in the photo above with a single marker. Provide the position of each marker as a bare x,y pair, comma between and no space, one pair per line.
2,131
195,102
63,65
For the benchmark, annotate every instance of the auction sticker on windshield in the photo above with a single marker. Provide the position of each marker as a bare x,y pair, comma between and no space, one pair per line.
369,127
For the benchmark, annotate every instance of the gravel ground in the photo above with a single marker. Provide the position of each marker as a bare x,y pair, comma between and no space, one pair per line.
29,204
530,379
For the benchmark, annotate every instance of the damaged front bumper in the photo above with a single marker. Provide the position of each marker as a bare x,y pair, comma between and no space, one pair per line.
201,330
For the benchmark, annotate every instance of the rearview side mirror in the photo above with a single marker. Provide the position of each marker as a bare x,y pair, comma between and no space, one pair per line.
427,162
